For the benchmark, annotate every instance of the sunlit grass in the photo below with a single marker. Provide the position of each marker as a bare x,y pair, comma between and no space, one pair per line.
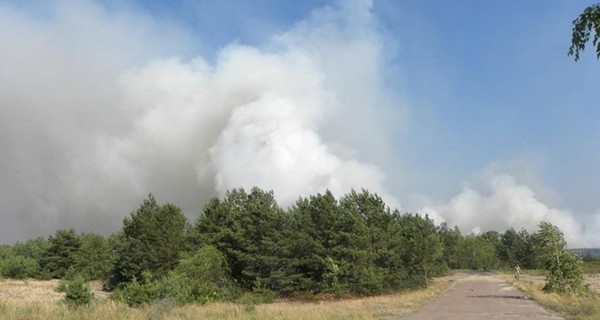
577,307
572,307
33,306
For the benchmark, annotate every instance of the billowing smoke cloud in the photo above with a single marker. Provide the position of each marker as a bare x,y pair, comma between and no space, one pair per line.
87,130
98,108
58,97
257,117
503,203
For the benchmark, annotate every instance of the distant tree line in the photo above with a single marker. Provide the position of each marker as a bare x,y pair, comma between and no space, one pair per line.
246,246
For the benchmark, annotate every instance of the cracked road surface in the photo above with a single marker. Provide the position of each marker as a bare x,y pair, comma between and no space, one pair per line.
482,296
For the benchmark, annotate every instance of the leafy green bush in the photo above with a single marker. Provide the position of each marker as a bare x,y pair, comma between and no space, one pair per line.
201,278
566,276
259,295
77,292
18,267
565,269
138,293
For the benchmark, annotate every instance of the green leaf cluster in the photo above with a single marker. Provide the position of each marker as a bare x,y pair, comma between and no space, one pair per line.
565,269
586,26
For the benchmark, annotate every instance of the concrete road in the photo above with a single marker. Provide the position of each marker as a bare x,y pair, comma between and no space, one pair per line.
482,296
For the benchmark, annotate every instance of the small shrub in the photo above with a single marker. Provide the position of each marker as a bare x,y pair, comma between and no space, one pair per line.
565,269
251,299
136,293
19,267
259,295
77,292
201,278
566,276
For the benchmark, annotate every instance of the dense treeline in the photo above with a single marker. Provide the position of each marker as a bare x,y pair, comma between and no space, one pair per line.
245,244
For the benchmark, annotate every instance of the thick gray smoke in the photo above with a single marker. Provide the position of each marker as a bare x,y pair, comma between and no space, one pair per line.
87,131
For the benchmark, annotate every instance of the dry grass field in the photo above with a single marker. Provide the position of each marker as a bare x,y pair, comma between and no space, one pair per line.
36,291
592,280
38,300
571,307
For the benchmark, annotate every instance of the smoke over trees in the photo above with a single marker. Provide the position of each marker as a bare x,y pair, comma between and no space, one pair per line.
245,243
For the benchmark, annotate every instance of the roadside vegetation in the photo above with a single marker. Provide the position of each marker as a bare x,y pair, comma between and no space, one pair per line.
244,247
566,283
34,305
244,253
583,306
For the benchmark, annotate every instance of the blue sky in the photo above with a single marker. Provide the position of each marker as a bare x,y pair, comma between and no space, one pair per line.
509,90
487,81
464,106
495,81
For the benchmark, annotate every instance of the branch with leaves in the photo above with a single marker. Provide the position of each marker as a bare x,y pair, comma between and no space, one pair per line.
584,27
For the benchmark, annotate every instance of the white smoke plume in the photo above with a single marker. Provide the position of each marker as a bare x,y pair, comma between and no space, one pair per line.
87,130
505,203
100,107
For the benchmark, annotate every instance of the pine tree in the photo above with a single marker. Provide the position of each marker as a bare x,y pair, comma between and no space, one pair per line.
95,257
247,228
151,240
61,253
422,247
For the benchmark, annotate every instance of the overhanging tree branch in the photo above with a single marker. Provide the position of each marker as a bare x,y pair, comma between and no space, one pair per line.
584,27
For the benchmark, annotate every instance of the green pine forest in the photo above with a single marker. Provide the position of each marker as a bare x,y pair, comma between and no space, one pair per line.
245,246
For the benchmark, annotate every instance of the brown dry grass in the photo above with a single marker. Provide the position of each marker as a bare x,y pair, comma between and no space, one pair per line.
575,307
593,280
535,277
33,291
37,291
38,300
586,307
